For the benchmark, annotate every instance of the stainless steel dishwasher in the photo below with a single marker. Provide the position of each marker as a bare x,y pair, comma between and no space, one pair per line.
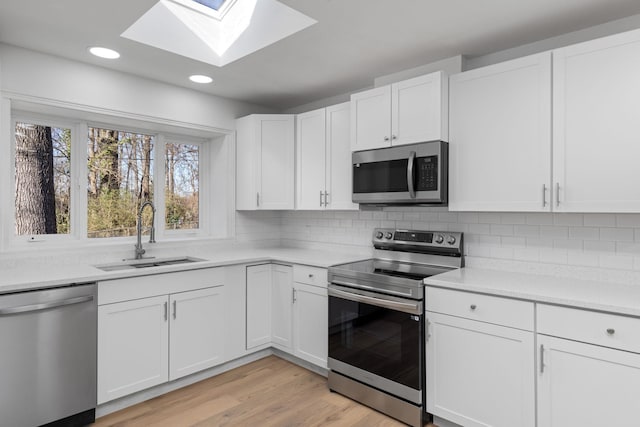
48,357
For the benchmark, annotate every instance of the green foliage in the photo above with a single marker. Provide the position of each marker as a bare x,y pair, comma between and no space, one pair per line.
112,214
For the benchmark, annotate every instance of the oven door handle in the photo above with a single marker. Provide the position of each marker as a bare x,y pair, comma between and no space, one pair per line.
412,308
370,288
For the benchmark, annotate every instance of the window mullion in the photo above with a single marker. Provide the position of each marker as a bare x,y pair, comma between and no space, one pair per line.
159,183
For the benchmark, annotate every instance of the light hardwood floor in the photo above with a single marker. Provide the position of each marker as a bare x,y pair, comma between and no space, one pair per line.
268,392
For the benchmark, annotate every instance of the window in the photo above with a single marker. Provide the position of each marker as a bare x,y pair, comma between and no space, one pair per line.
120,179
42,179
77,181
182,195
211,4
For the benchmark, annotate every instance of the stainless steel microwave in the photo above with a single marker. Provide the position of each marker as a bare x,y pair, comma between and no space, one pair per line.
406,174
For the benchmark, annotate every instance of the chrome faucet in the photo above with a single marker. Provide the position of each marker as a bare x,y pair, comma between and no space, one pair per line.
152,234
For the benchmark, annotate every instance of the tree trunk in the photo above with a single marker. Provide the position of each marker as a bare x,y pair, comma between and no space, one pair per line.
35,189
145,187
108,146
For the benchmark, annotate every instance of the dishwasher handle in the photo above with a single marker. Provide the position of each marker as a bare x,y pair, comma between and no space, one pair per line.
44,306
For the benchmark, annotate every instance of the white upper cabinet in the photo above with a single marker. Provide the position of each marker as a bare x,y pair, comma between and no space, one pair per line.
406,112
596,135
500,136
265,162
323,163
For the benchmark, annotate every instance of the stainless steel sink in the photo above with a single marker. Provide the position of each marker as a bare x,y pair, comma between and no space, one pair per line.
147,263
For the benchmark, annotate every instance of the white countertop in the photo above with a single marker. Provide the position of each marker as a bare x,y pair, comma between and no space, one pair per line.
593,295
22,279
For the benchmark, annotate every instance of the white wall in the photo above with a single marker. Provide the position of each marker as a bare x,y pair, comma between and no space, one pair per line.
85,86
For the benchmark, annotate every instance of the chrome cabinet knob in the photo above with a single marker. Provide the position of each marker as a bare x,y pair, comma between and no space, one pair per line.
473,307
386,138
611,331
394,137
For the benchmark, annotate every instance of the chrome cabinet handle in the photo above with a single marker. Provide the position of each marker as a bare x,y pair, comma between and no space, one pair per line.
310,275
611,331
257,199
293,295
320,198
44,305
412,158
326,199
166,311
544,195
427,324
473,307
541,358
557,194
175,308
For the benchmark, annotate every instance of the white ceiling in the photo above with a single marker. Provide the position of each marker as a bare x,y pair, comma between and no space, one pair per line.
353,42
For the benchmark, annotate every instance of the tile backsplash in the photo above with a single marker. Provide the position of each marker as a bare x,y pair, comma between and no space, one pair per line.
609,241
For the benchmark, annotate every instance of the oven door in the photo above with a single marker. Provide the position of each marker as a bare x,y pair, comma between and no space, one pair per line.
414,173
377,340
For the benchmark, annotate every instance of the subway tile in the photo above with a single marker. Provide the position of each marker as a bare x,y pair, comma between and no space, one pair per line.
599,220
526,254
526,230
513,218
489,218
539,243
468,217
501,252
623,262
479,228
584,233
395,216
429,216
568,244
568,219
554,256
447,217
599,246
366,215
513,242
502,230
541,218
583,259
628,248
628,220
617,234
411,216
554,231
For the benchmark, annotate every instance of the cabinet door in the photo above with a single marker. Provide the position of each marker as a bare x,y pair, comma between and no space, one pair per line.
197,331
479,374
275,161
281,299
258,305
371,119
596,99
582,385
419,109
310,321
133,341
311,160
339,168
500,137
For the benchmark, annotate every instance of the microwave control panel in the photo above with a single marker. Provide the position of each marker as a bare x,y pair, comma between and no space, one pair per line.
427,173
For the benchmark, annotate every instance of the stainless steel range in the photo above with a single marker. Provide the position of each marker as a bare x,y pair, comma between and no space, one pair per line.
376,320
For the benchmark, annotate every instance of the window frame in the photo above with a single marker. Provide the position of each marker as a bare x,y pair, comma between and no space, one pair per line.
78,227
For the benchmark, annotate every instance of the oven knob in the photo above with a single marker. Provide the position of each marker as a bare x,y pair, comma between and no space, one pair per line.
379,235
439,239
388,235
451,240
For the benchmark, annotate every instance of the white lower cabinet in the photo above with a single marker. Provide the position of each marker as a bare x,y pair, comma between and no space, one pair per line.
144,341
133,340
287,308
196,331
595,382
310,324
480,373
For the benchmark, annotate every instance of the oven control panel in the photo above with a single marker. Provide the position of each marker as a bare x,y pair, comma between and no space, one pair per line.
389,238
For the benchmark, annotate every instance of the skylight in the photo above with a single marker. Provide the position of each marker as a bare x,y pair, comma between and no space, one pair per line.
211,4
216,32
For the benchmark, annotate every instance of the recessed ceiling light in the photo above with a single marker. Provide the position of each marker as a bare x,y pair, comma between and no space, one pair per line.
103,52
197,78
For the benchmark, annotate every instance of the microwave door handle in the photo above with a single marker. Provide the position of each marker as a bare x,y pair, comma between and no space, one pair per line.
412,190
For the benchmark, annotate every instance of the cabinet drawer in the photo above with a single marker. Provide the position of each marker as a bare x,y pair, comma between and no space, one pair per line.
609,330
485,308
310,275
